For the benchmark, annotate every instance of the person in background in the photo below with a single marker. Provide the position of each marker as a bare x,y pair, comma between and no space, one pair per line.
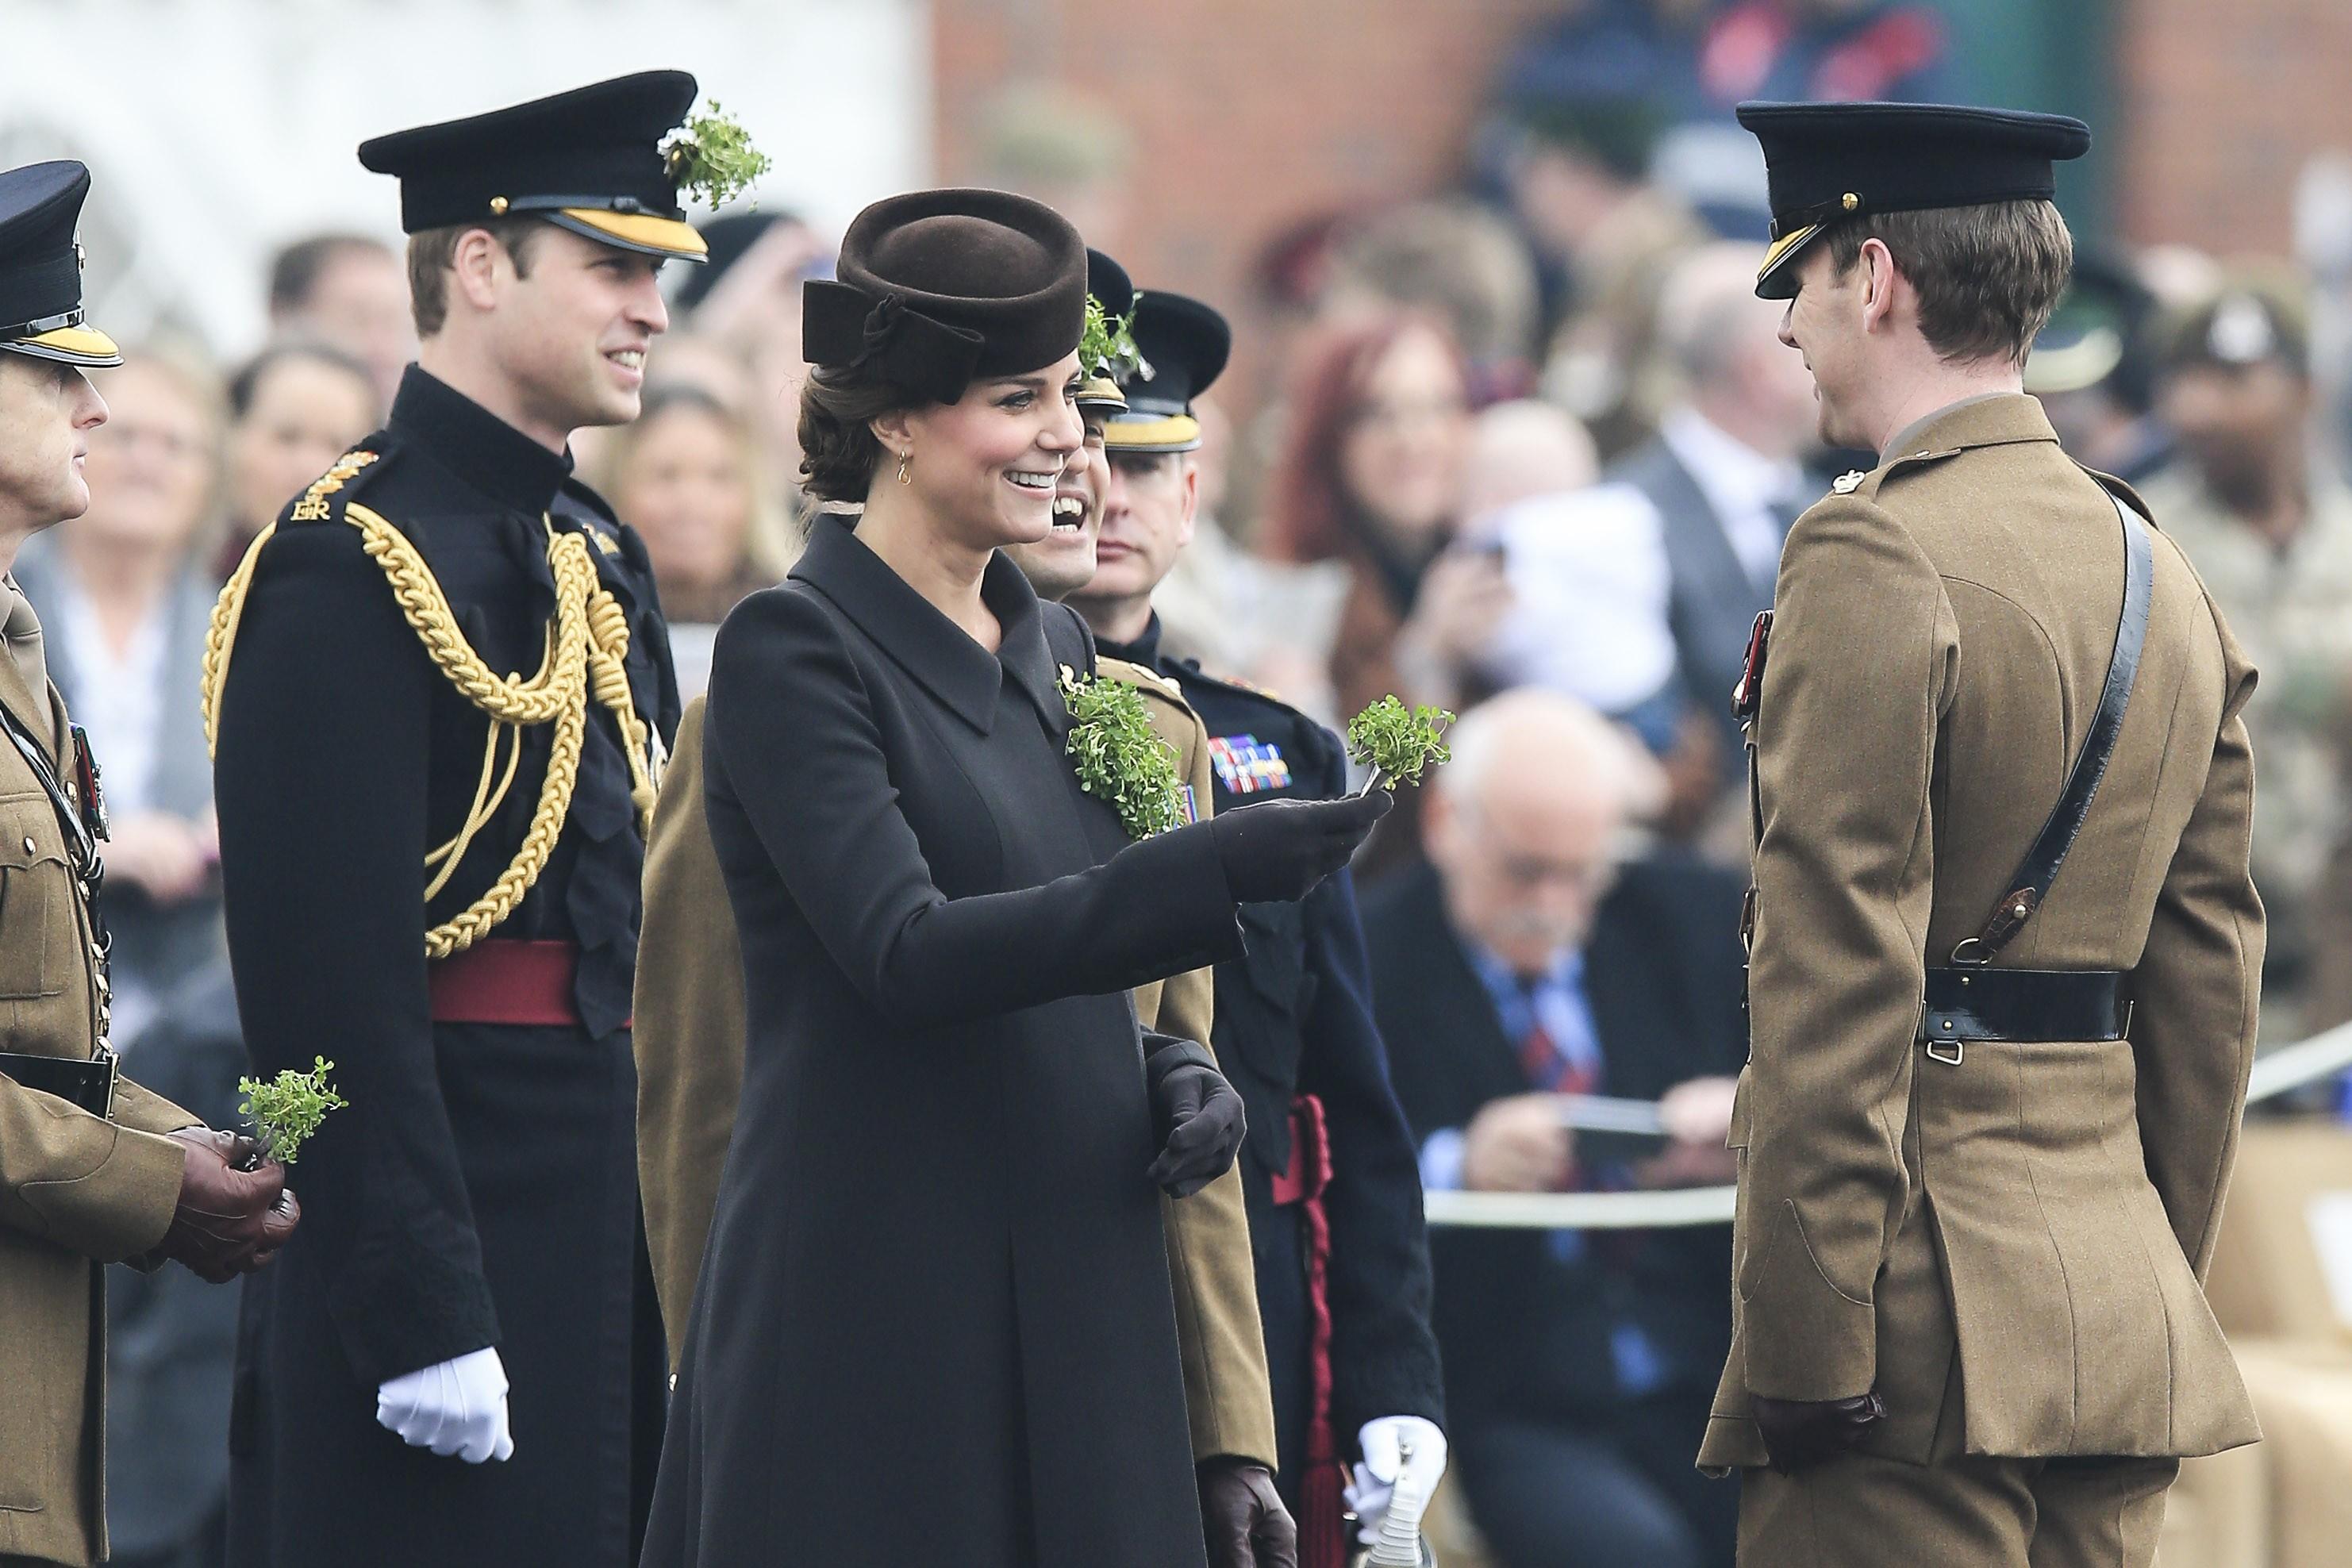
1570,150
1824,51
1522,448
1461,262
686,477
749,300
1719,485
2094,368
1528,958
2259,511
129,601
1372,474
350,292
293,409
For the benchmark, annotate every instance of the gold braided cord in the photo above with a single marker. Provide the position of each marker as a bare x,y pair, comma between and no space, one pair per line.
586,648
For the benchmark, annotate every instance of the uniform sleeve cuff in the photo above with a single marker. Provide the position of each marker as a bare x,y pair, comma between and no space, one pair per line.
1805,1338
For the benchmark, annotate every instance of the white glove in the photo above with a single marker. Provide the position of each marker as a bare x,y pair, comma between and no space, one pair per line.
457,1407
1386,1483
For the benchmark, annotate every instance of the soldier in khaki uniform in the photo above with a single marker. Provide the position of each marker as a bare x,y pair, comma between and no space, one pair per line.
689,1046
2006,948
93,1169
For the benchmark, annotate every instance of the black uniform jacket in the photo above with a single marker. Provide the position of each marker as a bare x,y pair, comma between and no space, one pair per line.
1295,1017
934,1321
480,1188
1527,1337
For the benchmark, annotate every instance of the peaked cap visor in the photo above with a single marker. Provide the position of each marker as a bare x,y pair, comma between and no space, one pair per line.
642,232
1135,432
1825,162
77,344
936,289
596,148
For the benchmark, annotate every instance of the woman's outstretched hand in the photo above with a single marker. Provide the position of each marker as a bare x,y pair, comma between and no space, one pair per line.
1279,849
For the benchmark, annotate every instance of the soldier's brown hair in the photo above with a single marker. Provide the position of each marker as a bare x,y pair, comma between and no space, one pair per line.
1987,276
433,256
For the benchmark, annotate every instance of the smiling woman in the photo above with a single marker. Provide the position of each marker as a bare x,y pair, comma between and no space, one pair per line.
934,1321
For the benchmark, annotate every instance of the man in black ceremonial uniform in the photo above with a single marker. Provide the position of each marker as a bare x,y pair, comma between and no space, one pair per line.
440,693
1329,1173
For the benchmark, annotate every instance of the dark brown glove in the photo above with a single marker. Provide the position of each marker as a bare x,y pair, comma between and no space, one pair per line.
1802,1432
1279,849
229,1221
1243,1517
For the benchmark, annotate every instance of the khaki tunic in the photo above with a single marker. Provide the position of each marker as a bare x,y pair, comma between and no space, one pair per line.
76,1192
2040,1212
689,1046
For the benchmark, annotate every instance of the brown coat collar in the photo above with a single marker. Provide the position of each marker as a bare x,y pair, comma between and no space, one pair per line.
2010,419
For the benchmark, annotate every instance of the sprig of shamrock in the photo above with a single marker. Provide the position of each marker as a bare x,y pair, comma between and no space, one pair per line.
287,1110
1108,346
1119,758
711,156
1398,743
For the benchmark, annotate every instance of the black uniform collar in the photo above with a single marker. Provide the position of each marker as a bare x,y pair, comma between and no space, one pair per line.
930,647
1144,650
474,444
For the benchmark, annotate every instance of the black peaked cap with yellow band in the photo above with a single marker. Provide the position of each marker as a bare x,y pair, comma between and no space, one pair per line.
1827,162
588,160
40,267
1113,292
936,289
1185,345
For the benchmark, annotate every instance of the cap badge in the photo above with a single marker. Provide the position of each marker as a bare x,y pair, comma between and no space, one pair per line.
1845,484
2241,331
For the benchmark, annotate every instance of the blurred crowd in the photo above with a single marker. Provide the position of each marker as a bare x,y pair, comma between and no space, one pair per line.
1533,443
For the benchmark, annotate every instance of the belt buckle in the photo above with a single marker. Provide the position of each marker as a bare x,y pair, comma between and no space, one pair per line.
1942,1036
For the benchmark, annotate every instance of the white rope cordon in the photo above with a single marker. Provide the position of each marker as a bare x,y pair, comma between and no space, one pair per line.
2275,1073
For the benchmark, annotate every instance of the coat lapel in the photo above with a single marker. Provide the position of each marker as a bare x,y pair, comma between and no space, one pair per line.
935,652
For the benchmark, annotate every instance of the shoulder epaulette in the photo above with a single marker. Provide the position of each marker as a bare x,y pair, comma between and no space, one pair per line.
1140,675
314,505
2119,489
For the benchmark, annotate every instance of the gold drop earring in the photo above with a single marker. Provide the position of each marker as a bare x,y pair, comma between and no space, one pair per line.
904,458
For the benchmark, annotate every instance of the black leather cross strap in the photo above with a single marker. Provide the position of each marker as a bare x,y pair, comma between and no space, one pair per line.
89,1083
2032,883
2023,1004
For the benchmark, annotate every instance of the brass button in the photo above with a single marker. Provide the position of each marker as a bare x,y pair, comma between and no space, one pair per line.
2021,912
1851,200
1968,980
498,206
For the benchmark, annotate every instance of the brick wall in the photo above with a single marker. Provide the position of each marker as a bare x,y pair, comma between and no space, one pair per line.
2221,104
1254,115
1250,115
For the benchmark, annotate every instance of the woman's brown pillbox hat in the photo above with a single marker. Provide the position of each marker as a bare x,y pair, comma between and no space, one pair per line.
936,289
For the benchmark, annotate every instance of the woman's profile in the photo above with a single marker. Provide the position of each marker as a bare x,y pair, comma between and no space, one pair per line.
934,1323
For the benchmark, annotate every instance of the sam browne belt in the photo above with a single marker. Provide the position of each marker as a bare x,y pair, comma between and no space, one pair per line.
1971,1000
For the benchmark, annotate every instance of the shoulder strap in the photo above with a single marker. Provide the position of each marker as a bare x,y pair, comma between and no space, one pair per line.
2032,883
